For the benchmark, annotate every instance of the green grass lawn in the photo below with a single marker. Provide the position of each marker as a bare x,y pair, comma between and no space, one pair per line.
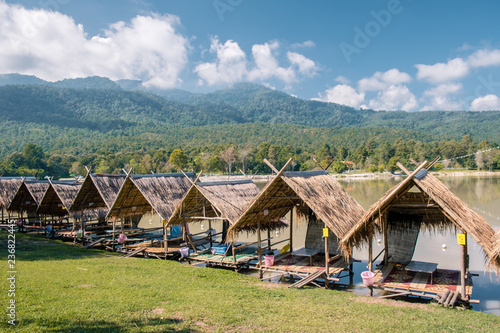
63,288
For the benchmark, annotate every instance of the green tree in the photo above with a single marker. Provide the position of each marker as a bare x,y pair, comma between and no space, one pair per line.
178,159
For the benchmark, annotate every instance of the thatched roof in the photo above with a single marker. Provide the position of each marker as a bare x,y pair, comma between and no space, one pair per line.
223,199
8,189
141,194
424,195
58,198
96,195
495,258
313,192
28,196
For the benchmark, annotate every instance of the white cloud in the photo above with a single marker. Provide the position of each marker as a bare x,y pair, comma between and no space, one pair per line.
383,80
343,94
306,66
267,66
484,58
230,66
342,80
52,46
395,97
485,103
442,72
438,97
306,44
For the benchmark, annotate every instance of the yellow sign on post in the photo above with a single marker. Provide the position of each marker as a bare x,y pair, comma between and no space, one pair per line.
164,222
325,232
461,239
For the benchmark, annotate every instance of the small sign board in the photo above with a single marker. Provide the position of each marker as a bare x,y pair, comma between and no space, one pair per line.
164,222
461,239
325,232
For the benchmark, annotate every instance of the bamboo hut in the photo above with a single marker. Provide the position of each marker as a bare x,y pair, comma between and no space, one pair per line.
58,199
95,198
221,201
494,262
8,189
27,199
156,194
329,211
419,202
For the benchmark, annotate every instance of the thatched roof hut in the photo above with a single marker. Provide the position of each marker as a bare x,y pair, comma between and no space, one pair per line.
423,196
224,200
58,198
311,193
8,189
495,258
141,194
96,195
28,196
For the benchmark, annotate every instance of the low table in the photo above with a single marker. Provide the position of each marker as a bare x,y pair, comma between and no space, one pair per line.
306,253
422,267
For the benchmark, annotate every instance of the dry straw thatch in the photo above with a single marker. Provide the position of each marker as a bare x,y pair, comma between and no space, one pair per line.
96,195
8,189
495,258
28,196
424,195
308,191
58,198
223,199
159,193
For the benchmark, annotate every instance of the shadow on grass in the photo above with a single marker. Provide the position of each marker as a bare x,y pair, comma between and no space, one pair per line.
31,247
155,324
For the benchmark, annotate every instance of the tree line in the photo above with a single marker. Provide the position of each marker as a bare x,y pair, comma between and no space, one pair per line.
370,156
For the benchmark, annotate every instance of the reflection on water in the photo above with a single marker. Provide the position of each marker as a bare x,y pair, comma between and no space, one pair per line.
480,193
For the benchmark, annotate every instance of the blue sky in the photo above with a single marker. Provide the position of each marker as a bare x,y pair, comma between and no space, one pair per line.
385,55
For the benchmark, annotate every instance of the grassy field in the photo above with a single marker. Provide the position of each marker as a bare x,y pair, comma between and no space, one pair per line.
63,288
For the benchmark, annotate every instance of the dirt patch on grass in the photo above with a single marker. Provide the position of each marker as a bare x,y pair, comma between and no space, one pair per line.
85,286
398,304
271,285
156,311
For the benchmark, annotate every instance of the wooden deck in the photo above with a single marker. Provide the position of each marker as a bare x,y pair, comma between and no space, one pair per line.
396,280
306,267
246,258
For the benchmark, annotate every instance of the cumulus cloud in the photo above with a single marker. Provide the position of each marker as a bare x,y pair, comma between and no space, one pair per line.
230,66
485,103
52,46
438,97
484,58
343,94
395,97
306,66
442,72
383,80
342,80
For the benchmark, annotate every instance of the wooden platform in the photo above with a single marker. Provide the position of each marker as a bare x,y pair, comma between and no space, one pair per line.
307,268
395,278
244,258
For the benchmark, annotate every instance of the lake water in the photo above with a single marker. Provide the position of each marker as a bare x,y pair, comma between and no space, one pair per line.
481,194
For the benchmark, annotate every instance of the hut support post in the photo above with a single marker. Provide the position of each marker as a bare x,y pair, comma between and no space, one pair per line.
211,233
370,247
259,249
74,230
114,230
269,240
384,223
465,265
165,238
291,230
327,258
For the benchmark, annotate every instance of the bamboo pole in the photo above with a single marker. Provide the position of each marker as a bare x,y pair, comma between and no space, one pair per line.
386,252
269,239
291,229
327,258
465,264
370,247
259,247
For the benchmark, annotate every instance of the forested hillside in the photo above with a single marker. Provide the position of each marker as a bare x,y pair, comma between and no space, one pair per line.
99,122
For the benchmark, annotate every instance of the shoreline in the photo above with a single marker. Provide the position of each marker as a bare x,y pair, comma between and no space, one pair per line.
441,173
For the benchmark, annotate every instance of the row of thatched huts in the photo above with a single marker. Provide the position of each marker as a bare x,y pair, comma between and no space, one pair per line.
336,223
